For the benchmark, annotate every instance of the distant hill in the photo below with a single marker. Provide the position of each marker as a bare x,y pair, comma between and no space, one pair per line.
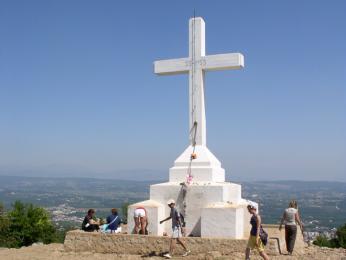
322,204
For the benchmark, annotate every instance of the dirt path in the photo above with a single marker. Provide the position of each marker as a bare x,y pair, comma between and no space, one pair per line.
57,252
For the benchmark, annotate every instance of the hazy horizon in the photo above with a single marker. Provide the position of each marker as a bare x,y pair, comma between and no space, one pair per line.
155,178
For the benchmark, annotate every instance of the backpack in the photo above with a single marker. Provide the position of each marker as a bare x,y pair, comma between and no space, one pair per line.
263,236
182,219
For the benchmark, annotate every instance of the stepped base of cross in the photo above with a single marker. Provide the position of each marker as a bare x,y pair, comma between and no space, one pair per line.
213,207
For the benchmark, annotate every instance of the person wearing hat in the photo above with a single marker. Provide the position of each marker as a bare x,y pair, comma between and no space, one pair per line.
176,230
255,241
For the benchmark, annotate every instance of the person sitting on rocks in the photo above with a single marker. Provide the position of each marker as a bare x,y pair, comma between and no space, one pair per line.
113,222
90,223
141,221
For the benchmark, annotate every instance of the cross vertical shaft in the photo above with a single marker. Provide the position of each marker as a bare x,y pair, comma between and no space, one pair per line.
196,81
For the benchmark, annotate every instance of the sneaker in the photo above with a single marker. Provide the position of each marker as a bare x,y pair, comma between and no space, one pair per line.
187,253
168,256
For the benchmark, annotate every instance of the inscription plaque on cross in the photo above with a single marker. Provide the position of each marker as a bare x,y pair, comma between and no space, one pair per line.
196,65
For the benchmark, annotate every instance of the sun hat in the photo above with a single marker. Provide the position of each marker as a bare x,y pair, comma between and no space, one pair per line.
171,201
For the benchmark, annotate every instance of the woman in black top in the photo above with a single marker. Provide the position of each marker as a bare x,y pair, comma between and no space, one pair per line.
254,241
89,224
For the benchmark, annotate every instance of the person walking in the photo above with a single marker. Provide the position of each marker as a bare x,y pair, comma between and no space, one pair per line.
290,218
255,241
176,230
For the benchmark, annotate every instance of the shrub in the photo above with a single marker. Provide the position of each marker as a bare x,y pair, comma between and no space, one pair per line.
322,241
341,236
124,208
5,238
24,225
339,241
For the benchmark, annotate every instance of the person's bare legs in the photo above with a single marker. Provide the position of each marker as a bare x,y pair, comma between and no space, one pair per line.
247,253
264,255
183,231
182,244
172,246
137,224
143,221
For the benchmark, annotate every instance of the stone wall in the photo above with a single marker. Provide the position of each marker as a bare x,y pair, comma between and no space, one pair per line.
79,241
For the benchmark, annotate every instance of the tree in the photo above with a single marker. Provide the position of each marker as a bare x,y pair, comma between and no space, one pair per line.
4,225
6,240
30,224
2,209
124,209
341,236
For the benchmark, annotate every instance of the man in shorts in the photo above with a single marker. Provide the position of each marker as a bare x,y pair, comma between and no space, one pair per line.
176,230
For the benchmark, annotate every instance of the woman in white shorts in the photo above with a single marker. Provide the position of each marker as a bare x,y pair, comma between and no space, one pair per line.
141,221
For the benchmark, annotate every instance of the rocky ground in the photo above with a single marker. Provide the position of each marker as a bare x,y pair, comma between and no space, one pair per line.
57,252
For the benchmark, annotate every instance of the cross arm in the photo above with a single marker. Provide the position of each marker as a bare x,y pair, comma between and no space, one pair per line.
171,67
224,61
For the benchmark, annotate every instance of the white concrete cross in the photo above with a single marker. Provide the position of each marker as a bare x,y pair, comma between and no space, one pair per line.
196,65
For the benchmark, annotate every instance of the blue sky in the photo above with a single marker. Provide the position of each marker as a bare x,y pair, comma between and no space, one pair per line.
78,96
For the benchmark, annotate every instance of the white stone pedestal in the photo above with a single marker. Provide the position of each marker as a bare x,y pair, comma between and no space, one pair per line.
155,211
206,167
214,208
225,220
